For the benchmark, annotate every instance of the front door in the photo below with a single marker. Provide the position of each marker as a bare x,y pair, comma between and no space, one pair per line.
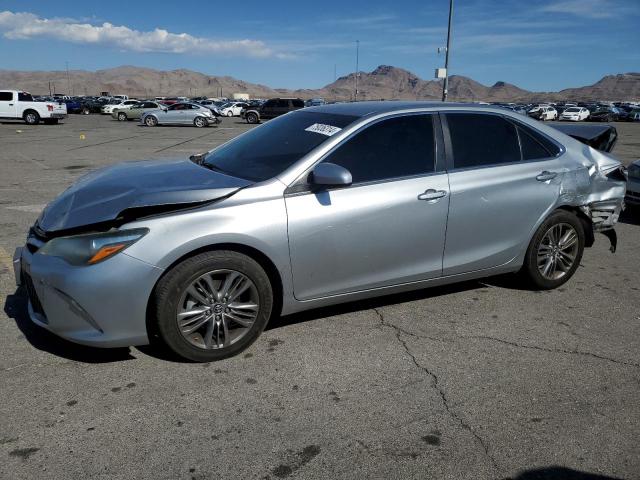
387,228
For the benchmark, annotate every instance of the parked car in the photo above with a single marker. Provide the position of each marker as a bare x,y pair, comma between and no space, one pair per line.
604,114
134,112
199,255
232,109
271,109
111,106
179,114
633,185
315,102
19,105
94,105
575,114
543,113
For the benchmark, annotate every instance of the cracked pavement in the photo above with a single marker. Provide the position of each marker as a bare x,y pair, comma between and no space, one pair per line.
479,380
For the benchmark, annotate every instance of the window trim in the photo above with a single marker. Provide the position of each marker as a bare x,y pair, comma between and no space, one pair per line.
515,122
301,187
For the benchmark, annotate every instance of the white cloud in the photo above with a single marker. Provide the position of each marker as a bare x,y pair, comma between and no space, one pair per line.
584,8
24,26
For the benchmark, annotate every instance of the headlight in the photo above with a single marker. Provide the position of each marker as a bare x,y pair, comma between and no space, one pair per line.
92,248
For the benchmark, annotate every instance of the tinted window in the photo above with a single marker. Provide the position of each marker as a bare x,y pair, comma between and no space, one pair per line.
149,105
269,103
24,97
398,147
266,151
297,103
531,148
283,103
480,139
6,96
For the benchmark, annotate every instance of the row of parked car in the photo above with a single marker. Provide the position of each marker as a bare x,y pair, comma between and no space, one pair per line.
578,112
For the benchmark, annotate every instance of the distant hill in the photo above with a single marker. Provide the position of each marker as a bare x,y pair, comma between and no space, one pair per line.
385,82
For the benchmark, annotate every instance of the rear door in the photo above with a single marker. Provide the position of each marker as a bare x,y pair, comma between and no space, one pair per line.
503,178
8,107
387,228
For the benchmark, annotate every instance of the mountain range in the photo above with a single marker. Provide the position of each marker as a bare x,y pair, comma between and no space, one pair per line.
385,82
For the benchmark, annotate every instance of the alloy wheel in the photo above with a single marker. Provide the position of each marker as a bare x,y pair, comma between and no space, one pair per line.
557,251
217,309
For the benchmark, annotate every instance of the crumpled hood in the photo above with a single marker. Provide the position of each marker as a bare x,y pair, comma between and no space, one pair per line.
102,195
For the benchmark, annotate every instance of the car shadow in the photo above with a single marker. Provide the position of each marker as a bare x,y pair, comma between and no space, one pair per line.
559,473
377,302
16,308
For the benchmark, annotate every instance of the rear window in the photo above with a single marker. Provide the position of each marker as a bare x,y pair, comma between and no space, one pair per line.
24,97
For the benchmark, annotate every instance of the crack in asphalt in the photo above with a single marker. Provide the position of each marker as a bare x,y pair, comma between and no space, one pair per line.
513,344
550,350
436,385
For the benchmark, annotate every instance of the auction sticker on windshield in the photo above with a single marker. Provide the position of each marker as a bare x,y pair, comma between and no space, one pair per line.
323,129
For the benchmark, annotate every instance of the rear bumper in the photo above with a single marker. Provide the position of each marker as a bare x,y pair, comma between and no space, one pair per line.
102,305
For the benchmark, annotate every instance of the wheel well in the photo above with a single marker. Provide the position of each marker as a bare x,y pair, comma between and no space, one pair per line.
29,110
264,261
587,224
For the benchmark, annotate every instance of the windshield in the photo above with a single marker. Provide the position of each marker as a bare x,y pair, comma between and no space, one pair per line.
572,109
268,150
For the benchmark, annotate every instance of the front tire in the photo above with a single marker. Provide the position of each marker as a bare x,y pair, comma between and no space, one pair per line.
122,117
555,251
151,121
213,305
200,122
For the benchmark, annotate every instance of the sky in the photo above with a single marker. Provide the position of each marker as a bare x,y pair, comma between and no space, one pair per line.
540,45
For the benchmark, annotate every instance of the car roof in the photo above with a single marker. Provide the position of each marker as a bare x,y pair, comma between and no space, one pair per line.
362,109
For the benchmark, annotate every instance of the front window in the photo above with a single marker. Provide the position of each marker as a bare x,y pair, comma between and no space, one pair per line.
268,150
572,110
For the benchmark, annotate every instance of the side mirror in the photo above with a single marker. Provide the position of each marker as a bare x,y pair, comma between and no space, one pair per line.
330,175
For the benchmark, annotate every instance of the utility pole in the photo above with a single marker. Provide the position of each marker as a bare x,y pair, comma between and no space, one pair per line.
68,81
355,97
445,86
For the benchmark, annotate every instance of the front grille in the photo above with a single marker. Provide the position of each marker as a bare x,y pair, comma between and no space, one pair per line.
33,296
633,194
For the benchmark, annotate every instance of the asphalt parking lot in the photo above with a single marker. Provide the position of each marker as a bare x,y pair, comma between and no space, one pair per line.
480,380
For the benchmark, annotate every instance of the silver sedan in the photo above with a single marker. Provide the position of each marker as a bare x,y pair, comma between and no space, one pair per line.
179,114
320,206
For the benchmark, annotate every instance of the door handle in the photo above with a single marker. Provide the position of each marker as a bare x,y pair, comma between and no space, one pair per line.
11,104
432,194
546,175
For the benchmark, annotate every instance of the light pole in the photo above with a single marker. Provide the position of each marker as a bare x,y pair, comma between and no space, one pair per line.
68,81
355,97
445,86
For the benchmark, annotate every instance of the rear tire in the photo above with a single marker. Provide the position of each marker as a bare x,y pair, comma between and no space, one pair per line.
252,118
173,304
555,251
31,117
122,117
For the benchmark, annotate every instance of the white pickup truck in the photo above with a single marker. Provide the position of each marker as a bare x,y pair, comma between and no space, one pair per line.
15,104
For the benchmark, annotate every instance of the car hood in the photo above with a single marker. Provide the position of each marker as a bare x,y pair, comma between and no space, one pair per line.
104,195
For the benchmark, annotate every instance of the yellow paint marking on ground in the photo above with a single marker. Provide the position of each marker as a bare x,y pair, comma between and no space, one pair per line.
6,260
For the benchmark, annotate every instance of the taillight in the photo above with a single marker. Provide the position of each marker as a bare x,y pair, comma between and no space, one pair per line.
50,108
